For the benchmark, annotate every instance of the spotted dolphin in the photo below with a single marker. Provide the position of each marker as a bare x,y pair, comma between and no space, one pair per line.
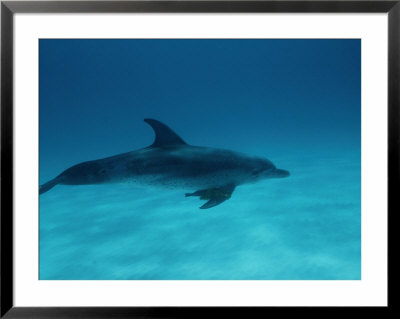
211,174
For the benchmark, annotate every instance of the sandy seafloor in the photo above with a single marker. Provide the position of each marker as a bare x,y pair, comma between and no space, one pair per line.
295,102
303,227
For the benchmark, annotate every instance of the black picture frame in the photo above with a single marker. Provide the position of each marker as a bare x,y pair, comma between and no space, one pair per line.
9,8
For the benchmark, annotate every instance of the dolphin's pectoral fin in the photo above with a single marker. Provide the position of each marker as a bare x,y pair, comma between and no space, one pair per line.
164,135
215,196
213,202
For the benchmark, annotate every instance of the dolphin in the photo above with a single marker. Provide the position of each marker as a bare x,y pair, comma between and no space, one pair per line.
212,174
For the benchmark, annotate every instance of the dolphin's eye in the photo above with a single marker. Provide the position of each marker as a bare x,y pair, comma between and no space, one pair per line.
256,171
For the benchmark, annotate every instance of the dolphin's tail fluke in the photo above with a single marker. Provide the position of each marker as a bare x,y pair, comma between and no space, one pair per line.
49,185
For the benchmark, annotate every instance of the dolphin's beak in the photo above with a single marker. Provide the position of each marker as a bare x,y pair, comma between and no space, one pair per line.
282,173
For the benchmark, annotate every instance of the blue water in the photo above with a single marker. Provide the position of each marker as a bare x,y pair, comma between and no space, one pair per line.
295,102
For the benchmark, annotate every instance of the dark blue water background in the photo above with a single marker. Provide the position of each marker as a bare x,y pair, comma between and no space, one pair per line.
296,102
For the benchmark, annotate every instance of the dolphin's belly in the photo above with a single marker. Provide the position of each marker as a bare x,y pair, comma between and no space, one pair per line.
173,181
182,177
177,169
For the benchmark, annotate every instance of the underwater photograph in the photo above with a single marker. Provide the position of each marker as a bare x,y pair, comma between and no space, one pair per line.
199,159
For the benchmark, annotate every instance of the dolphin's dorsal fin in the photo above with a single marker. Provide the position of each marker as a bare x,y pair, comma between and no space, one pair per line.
164,135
